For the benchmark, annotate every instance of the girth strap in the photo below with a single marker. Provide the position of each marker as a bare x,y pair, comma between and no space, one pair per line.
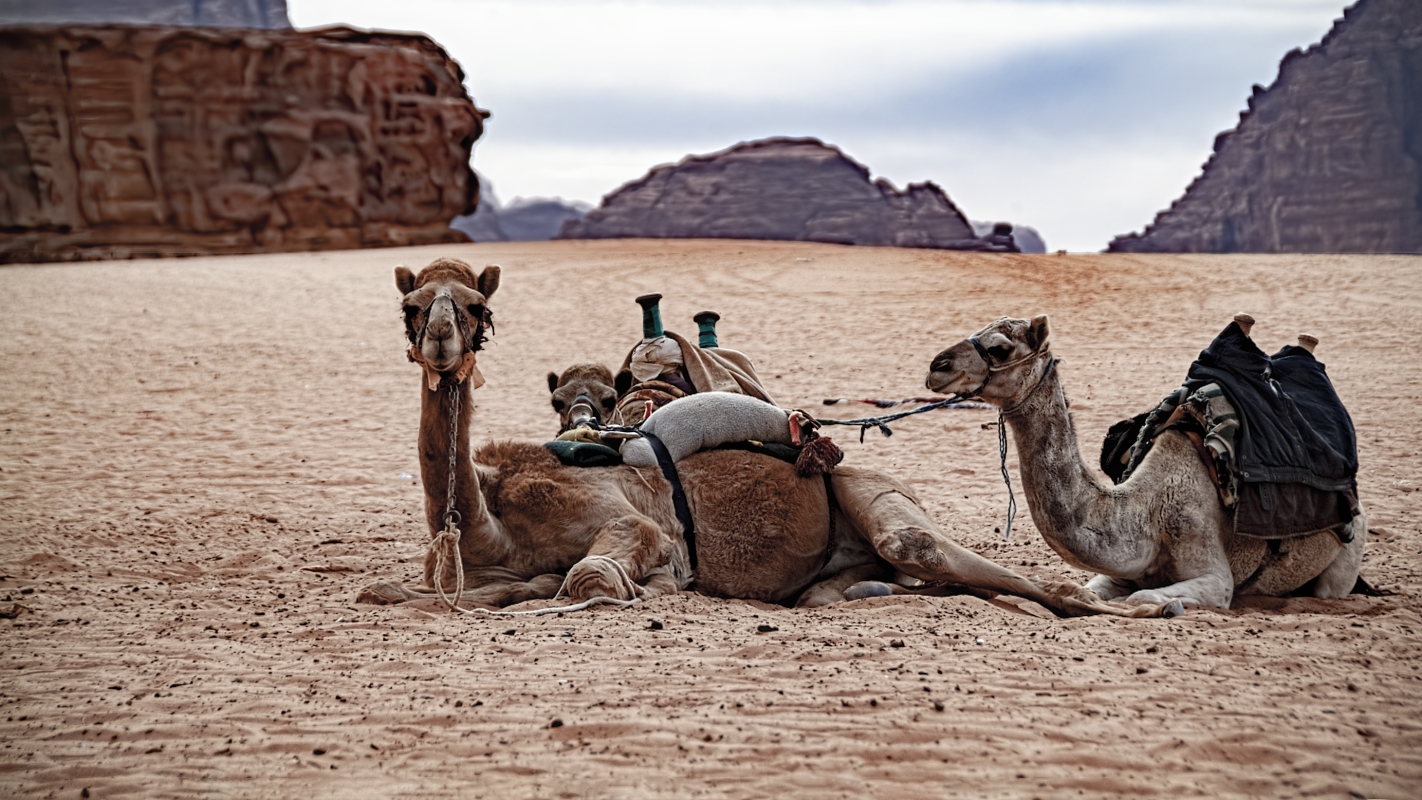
683,511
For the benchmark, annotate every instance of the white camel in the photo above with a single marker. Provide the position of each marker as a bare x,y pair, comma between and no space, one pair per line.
1163,533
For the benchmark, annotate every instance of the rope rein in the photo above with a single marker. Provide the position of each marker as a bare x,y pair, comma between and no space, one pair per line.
881,422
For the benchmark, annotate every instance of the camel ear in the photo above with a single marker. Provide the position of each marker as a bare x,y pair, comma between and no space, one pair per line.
404,280
552,381
1038,332
622,382
489,280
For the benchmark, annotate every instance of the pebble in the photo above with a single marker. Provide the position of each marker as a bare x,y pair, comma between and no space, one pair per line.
764,628
655,624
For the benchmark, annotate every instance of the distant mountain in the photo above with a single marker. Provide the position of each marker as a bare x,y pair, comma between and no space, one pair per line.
1027,238
193,13
780,188
535,219
1327,160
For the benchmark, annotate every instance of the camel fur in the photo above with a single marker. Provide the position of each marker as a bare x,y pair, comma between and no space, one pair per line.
762,532
1163,533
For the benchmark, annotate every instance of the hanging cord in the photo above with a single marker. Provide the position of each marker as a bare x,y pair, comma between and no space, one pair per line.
1002,443
1007,479
881,422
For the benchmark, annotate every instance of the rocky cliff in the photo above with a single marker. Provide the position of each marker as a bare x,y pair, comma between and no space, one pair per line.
1326,160
781,188
127,141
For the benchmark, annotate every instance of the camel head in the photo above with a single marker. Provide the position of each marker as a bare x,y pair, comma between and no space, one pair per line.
582,394
996,364
446,318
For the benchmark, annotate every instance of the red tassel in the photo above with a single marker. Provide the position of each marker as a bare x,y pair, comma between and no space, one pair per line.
818,457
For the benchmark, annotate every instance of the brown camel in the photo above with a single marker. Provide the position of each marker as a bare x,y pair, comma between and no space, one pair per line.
761,532
1161,534
582,394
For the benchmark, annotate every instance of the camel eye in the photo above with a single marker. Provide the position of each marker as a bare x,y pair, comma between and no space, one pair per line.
558,405
1001,351
476,311
609,402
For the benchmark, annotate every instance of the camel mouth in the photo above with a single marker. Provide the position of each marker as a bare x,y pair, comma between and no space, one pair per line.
442,356
940,382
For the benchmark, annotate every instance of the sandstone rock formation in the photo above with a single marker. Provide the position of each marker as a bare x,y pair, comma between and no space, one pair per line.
1327,160
127,141
780,188
204,13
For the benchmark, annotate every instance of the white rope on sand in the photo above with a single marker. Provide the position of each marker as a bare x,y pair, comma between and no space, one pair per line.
448,541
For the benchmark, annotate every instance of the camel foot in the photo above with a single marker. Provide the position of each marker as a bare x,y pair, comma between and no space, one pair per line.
1174,608
864,589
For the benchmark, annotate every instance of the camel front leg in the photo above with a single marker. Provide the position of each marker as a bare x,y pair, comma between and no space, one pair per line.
499,595
902,534
496,593
1211,591
623,551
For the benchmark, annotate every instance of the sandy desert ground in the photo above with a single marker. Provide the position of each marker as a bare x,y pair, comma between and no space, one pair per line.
203,460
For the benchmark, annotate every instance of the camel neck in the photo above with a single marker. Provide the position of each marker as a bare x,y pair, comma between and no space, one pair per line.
479,542
1069,505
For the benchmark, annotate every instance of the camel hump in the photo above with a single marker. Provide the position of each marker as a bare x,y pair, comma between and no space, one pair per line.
706,420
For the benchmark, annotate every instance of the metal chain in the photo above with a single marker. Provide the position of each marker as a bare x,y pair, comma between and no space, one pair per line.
446,544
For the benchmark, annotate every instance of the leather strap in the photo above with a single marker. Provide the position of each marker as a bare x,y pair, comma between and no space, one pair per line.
683,511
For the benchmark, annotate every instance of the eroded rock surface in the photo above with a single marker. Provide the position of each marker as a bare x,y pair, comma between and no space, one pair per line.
129,141
1327,160
781,188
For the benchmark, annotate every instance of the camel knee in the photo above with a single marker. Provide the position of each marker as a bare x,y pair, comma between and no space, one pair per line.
599,577
910,549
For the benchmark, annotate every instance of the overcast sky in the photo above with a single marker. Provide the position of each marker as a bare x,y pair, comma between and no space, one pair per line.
1082,118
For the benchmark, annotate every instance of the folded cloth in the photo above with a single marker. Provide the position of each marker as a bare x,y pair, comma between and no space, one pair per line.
653,357
1282,445
714,369
1297,432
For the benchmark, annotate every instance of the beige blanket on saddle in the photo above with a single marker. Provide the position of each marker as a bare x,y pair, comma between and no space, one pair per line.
716,369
